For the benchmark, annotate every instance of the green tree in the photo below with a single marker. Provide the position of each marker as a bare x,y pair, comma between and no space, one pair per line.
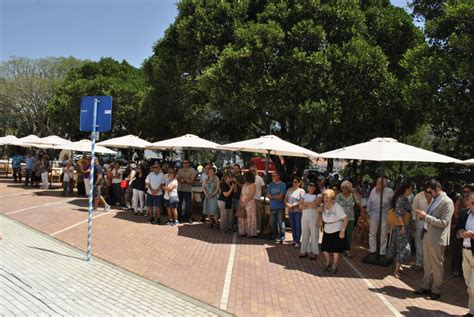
441,74
26,86
120,80
318,73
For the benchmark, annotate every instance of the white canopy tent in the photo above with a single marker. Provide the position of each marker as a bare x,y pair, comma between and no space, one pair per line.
125,142
8,140
85,146
381,150
387,149
29,142
270,144
187,141
52,141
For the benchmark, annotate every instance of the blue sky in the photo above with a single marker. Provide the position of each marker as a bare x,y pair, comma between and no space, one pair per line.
86,29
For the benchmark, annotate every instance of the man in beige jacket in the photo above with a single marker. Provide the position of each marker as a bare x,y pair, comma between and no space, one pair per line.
435,238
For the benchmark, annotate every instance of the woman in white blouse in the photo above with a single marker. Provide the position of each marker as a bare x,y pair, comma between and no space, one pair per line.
310,233
335,223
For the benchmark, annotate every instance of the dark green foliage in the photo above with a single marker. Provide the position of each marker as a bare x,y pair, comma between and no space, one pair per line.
122,81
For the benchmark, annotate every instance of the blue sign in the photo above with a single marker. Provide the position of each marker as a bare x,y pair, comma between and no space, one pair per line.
104,113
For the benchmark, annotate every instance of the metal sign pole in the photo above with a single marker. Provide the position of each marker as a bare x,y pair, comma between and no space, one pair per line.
91,180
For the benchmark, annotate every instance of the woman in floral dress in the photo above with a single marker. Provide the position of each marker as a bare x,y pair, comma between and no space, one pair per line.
399,248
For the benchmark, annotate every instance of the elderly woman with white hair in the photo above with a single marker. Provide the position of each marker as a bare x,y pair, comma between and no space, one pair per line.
348,201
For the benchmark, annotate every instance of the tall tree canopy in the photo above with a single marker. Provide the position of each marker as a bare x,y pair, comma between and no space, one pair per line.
442,73
318,73
122,81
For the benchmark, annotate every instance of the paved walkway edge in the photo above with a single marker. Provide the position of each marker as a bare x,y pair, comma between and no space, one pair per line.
121,269
228,274
371,286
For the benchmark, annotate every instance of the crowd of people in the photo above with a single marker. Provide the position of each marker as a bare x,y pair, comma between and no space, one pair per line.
316,205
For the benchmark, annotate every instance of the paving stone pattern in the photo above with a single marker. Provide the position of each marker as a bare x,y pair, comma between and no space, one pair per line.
41,276
266,279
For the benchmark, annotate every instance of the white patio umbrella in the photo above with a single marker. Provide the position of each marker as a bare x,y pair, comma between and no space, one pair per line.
29,142
8,139
85,146
270,144
187,141
386,149
126,142
52,141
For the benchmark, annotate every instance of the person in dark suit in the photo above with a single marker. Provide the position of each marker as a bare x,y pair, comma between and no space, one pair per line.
465,232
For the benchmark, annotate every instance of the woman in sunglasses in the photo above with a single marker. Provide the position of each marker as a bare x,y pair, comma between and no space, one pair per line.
292,201
309,203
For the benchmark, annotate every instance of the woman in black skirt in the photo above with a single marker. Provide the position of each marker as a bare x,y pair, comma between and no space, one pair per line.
335,223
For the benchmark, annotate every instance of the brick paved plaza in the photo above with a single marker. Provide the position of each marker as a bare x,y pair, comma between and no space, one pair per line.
245,277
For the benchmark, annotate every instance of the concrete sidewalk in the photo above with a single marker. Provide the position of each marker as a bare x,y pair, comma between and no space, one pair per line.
42,276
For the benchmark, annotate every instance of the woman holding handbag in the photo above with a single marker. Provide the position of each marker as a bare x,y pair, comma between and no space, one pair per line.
116,183
399,248
335,223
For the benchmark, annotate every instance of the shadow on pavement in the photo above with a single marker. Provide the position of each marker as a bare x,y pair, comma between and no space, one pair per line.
49,192
395,291
201,231
418,311
130,216
54,252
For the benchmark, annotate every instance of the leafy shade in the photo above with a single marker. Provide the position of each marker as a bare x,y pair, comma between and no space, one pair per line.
106,77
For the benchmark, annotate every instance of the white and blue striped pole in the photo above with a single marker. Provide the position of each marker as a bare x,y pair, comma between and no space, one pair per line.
91,181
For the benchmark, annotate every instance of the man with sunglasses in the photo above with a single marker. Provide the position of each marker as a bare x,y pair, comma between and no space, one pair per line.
465,232
421,202
435,233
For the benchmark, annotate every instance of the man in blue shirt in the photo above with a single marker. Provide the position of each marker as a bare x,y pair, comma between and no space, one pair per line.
16,165
276,194
30,163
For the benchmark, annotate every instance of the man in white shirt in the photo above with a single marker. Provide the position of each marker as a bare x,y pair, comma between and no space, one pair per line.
465,231
154,183
259,184
373,208
421,202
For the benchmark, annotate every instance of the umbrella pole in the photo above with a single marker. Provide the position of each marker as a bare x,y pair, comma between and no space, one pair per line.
265,188
377,259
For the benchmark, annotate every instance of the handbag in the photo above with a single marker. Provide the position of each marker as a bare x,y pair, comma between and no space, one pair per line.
123,184
241,213
319,222
392,218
